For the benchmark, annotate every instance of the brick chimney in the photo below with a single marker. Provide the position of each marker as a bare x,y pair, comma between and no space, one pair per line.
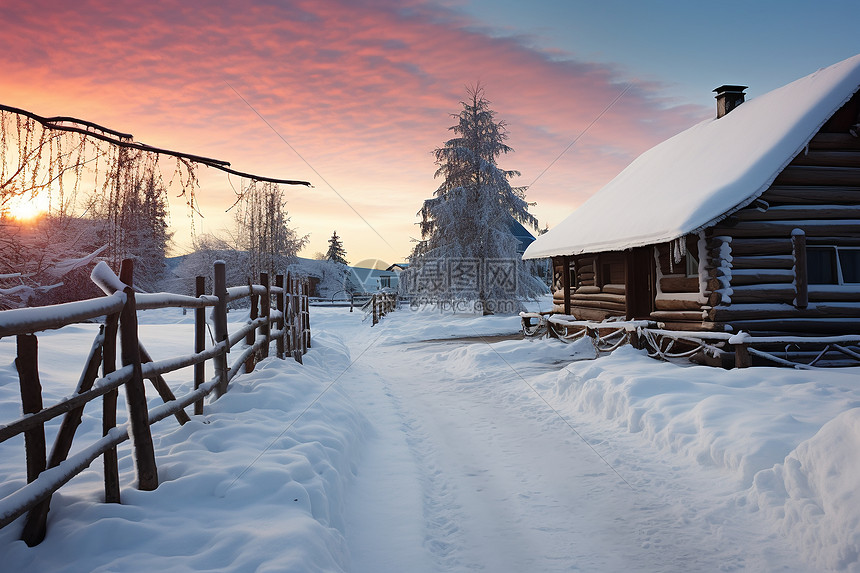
728,98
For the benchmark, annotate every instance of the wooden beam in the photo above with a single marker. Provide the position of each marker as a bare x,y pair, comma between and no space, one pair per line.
808,175
828,158
565,281
763,262
824,140
801,280
812,195
679,284
800,212
816,228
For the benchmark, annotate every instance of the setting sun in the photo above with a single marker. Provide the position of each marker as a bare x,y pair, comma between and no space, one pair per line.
26,208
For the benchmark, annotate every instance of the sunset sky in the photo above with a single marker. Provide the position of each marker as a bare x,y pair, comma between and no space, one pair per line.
356,94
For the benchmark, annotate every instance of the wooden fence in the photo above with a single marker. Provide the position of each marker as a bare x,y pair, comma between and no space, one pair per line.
286,323
379,304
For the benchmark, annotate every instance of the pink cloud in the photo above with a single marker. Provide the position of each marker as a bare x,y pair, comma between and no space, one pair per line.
364,91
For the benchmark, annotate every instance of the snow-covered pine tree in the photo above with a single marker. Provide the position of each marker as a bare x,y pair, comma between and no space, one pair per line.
336,252
467,249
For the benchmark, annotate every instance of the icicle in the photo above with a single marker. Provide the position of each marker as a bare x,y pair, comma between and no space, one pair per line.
806,150
679,249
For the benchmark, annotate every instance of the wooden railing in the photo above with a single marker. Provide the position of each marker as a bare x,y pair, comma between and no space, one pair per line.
286,323
379,304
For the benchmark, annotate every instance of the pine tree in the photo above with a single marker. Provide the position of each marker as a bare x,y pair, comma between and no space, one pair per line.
467,248
336,252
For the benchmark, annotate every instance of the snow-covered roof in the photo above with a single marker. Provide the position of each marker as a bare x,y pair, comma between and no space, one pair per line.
697,177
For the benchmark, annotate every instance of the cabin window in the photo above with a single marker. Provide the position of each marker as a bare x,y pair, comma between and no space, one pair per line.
692,265
611,270
386,281
833,265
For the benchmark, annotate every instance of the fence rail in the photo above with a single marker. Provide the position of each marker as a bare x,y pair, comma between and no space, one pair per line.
724,348
286,323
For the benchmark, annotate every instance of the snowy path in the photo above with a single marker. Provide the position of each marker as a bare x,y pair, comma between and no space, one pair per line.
475,472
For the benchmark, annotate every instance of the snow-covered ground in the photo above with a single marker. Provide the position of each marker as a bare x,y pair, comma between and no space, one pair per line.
385,452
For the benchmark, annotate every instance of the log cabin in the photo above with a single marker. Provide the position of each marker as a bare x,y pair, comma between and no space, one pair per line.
749,221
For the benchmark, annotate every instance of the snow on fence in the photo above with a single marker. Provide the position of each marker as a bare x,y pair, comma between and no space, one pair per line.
379,304
287,324
800,352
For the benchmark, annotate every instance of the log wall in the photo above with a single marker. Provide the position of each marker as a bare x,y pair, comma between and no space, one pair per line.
818,193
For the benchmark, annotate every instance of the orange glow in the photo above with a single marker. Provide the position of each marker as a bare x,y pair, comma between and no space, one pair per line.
26,208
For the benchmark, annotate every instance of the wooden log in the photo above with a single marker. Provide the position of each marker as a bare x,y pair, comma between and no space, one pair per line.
199,341
219,315
615,298
279,304
811,195
817,228
800,213
828,293
676,304
804,326
757,247
753,311
615,289
801,282
763,293
763,262
584,313
825,140
827,158
679,283
808,175
677,316
584,290
109,401
742,277
135,395
599,304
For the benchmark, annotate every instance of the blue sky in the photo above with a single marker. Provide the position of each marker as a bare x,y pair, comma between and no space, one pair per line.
689,46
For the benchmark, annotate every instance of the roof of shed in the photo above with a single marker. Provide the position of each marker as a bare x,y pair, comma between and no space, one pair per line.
696,178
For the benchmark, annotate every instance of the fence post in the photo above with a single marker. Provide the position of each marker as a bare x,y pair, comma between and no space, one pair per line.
295,317
265,310
307,307
742,356
373,310
251,337
199,341
135,395
279,304
302,318
220,323
27,364
111,469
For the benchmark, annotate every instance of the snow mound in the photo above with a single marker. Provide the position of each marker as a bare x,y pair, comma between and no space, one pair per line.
813,495
256,484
